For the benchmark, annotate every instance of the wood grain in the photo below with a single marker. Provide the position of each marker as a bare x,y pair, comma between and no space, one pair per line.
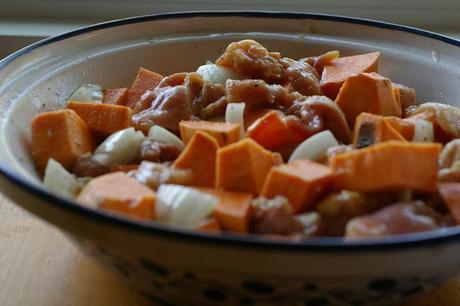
39,267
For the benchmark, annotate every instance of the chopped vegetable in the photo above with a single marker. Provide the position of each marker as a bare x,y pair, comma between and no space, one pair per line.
243,166
302,182
145,80
88,93
367,92
224,132
233,211
272,132
403,127
161,134
200,157
119,148
315,148
371,129
60,135
235,113
183,206
103,118
119,193
115,96
445,119
423,130
57,179
340,69
388,166
217,74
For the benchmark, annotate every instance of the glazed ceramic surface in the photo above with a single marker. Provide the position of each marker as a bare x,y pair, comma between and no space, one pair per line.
175,267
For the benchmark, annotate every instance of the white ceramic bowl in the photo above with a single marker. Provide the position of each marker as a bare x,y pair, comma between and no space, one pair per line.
177,267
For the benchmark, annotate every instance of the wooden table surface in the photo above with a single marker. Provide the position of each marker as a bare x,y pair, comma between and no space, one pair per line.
39,267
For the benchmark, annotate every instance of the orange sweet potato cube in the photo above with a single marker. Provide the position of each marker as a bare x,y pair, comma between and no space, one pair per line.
103,118
302,182
340,69
200,157
371,129
115,96
403,127
243,166
145,80
224,132
370,93
233,211
388,166
61,135
119,193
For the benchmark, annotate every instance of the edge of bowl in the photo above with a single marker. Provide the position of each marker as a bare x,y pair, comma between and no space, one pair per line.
250,240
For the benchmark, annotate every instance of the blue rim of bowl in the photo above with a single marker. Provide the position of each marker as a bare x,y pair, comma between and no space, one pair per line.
448,235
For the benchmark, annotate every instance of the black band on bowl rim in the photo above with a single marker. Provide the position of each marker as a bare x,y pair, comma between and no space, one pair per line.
448,235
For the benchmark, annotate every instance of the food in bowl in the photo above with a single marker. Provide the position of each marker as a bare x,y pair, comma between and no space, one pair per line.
259,143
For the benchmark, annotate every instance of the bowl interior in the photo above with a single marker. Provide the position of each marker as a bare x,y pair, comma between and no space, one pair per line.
41,77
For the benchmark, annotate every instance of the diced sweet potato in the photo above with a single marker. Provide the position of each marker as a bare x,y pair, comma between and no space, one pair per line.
224,132
403,127
388,166
367,92
200,157
243,166
145,80
271,132
103,118
450,193
119,193
115,96
251,115
340,69
371,129
302,182
233,211
61,135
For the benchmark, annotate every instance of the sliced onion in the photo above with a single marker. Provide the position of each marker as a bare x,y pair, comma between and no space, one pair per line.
315,147
119,148
161,134
88,93
183,206
58,180
423,131
235,113
217,74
